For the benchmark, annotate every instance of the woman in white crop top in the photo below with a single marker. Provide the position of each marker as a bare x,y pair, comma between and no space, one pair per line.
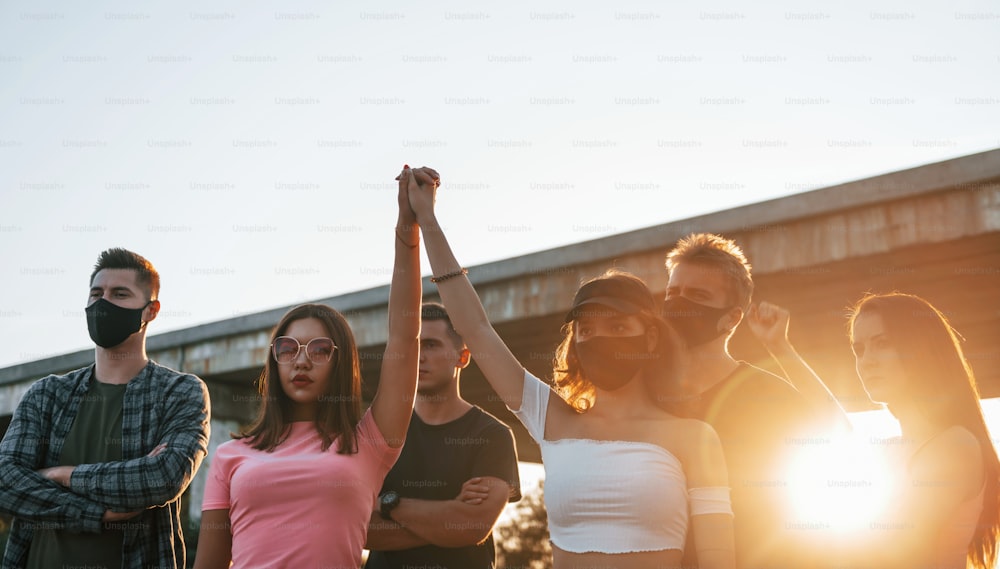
944,512
624,479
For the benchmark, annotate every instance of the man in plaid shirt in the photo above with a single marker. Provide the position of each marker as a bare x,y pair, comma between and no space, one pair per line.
95,461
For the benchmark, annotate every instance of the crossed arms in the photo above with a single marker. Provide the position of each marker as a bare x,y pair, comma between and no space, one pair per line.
79,498
465,520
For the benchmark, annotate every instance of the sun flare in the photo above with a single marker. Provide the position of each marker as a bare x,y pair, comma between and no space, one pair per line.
838,484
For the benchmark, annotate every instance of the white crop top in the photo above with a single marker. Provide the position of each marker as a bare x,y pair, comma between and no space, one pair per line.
609,496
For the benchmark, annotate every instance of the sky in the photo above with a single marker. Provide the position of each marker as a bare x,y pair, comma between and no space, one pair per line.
248,149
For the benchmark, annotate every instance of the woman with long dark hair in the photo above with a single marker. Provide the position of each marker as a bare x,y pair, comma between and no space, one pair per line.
944,509
909,358
296,488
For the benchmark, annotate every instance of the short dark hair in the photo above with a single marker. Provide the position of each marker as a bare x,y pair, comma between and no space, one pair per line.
436,311
146,275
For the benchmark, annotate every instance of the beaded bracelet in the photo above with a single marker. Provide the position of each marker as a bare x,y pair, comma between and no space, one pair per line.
447,276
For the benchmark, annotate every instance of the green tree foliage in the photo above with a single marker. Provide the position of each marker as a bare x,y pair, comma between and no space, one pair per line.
523,540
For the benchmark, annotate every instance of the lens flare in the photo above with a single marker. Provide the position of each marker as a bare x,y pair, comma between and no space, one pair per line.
841,484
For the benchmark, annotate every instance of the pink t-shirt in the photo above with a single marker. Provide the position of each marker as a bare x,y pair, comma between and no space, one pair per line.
298,506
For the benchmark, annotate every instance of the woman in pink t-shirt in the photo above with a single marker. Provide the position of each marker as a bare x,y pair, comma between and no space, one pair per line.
296,488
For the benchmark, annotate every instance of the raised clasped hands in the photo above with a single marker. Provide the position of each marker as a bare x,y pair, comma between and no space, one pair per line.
422,185
417,187
406,216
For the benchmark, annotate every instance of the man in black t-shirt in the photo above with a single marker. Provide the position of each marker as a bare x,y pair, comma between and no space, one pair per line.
761,419
418,521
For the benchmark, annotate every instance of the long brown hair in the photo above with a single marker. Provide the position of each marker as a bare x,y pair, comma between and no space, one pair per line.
567,375
943,390
340,412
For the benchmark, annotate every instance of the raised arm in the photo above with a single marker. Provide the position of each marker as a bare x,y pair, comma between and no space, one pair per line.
769,323
500,367
397,386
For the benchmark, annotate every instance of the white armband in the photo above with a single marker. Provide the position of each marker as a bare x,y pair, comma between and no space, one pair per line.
712,500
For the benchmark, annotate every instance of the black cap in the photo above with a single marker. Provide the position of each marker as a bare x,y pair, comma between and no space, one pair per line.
625,295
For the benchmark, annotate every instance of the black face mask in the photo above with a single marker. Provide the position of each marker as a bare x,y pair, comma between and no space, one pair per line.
110,324
696,323
610,363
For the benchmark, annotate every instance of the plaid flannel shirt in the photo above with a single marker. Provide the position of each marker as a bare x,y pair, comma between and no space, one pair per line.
160,406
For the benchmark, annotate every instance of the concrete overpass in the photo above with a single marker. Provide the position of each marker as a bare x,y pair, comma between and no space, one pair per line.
933,230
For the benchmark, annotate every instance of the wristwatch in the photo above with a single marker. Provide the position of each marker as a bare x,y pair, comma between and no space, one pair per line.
387,502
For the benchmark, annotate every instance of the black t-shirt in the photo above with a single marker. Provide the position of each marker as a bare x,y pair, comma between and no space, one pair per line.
436,460
762,421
